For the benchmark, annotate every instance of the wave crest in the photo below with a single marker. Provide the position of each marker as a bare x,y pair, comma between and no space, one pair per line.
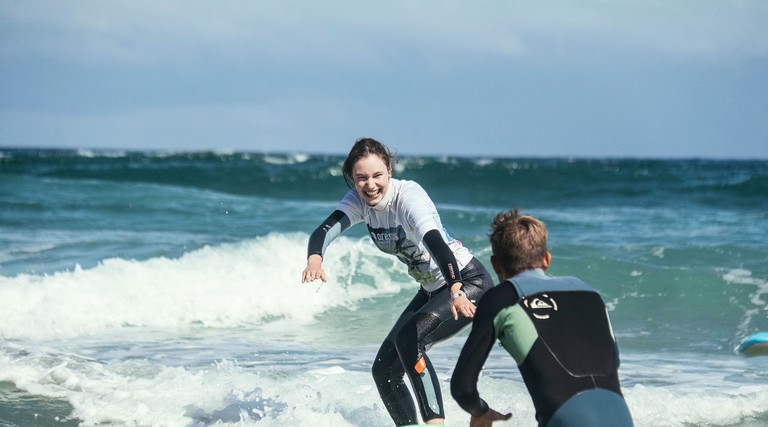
231,285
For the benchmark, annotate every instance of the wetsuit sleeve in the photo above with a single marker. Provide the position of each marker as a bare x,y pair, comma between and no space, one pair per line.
471,360
331,228
443,256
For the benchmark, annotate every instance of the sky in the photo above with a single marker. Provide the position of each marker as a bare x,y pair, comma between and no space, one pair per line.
549,78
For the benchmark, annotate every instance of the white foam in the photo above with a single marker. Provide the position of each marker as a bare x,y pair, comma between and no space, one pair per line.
84,152
744,277
678,406
224,286
286,159
138,392
254,283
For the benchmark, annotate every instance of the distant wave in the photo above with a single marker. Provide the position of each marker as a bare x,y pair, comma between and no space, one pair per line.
476,182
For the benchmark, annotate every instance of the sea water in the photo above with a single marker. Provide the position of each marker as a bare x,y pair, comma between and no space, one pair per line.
162,288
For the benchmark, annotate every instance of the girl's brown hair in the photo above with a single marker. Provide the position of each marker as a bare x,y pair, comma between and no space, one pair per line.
362,148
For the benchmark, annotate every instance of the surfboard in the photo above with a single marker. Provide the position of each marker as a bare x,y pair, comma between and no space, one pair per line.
755,344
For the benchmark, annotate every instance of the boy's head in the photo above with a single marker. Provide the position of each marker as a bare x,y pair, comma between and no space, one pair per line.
519,243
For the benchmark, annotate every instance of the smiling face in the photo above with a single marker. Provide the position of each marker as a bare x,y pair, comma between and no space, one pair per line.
371,176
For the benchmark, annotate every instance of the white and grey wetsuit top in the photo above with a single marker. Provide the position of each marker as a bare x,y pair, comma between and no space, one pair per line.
397,225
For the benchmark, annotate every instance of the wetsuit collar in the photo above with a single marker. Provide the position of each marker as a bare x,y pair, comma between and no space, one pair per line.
535,273
386,199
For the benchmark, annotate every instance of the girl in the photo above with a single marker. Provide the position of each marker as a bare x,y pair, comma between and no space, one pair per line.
403,221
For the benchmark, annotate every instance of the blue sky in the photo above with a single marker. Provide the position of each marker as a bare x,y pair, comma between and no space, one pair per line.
483,78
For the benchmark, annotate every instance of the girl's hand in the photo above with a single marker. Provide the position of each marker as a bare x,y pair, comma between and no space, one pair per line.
461,304
314,269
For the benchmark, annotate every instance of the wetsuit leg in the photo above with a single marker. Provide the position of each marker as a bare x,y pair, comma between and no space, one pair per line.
409,342
388,374
595,407
427,320
388,371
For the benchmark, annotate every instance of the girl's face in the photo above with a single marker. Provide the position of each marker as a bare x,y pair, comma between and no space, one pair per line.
371,178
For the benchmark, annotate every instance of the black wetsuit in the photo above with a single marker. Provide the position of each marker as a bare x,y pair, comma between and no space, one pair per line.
558,332
425,321
405,224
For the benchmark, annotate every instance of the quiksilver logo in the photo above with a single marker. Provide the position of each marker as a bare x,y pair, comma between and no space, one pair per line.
541,307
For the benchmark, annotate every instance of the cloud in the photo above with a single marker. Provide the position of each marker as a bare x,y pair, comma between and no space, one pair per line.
285,74
291,124
358,33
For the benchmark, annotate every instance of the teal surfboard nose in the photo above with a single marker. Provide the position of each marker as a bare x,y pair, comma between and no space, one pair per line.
755,345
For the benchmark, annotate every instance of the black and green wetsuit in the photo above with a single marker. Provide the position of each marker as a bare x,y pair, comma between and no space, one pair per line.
557,330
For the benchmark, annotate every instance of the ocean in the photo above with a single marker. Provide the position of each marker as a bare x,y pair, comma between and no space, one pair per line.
163,288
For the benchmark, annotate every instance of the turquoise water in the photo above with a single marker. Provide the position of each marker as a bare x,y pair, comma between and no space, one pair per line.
154,288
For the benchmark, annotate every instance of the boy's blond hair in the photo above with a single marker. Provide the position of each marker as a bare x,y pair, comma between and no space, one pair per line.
519,242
